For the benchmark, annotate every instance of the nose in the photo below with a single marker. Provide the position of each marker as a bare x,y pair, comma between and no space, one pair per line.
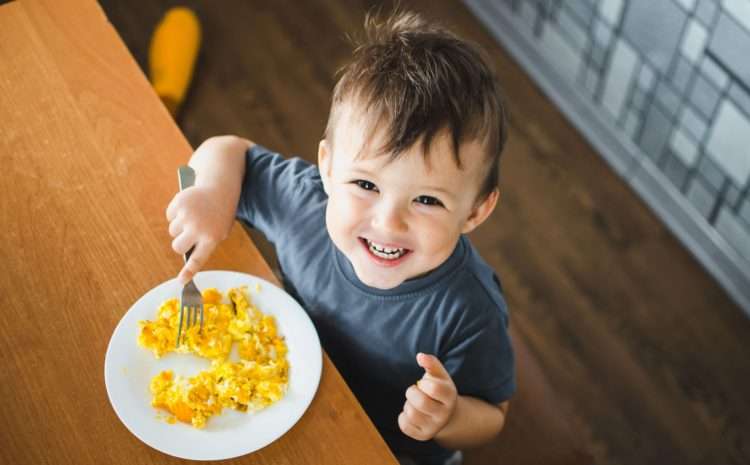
390,218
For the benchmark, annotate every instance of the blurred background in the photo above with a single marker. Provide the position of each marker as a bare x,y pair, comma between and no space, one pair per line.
662,90
622,236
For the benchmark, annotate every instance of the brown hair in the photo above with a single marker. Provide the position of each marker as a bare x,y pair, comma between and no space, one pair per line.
417,78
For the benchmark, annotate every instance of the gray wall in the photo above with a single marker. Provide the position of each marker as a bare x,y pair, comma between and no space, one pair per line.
662,90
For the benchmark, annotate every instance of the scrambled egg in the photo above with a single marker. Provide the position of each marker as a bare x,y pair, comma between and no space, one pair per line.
256,381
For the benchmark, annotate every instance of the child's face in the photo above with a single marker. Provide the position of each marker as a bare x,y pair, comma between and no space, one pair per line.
396,220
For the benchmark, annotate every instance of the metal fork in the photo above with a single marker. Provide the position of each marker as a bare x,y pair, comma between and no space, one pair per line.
191,301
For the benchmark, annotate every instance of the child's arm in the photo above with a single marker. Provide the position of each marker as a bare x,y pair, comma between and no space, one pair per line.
473,423
202,215
434,410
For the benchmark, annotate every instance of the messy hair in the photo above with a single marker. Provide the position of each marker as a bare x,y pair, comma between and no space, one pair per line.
415,79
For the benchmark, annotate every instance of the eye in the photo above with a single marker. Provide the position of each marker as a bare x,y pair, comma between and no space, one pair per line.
430,201
366,185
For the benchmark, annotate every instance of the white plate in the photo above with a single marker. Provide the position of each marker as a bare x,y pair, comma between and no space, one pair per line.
128,369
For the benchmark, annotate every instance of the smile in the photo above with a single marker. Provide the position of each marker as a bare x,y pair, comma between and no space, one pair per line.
383,252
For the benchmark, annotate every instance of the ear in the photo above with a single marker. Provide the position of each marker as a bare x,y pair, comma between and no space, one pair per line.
324,163
481,212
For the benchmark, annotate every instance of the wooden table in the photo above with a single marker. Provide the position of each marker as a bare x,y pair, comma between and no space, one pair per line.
89,157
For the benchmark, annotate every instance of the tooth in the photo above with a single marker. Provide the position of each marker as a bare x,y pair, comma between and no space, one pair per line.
384,252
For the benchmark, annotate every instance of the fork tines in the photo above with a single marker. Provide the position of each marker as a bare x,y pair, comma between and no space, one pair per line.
188,321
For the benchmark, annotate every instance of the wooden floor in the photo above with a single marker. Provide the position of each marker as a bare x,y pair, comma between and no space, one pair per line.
650,358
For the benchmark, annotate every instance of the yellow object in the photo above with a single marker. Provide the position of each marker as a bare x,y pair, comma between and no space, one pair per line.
172,55
256,381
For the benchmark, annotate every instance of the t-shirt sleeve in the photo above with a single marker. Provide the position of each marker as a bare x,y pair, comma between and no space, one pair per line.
272,190
481,361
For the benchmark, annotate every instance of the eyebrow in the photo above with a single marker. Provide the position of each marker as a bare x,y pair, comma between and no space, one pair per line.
437,189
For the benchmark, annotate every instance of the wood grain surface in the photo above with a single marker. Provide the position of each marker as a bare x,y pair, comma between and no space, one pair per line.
89,158
641,351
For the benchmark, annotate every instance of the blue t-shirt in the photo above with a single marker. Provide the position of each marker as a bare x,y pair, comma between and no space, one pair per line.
456,312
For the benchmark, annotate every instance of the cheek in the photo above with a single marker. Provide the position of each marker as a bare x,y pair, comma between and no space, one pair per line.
346,208
435,233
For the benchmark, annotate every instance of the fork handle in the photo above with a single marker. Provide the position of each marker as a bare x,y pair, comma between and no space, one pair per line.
186,178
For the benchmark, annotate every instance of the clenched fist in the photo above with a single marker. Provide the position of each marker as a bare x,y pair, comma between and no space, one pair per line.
430,403
199,216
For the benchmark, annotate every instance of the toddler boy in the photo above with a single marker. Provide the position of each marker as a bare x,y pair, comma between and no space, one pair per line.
372,240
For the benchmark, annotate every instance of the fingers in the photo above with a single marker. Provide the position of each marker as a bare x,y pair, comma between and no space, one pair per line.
186,274
423,416
432,366
175,227
415,416
422,402
184,241
195,221
429,403
197,259
172,208
410,429
439,391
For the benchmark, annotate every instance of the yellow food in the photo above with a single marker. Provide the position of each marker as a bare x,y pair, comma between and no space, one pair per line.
256,381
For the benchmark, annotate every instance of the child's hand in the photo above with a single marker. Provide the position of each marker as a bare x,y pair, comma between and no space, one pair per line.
199,216
430,403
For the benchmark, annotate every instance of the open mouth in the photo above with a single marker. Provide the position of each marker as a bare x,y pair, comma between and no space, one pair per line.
382,252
